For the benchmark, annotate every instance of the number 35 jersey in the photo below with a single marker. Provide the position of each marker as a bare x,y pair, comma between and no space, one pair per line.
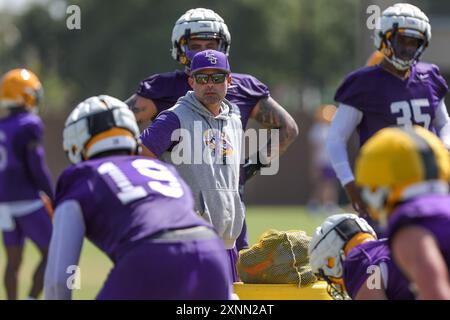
127,198
386,100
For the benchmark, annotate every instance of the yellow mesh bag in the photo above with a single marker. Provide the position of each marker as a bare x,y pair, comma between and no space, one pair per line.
277,257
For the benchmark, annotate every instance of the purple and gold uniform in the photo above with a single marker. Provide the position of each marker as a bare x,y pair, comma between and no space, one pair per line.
140,213
431,212
23,174
386,100
358,267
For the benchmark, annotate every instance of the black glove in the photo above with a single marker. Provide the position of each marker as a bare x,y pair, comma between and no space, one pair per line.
251,169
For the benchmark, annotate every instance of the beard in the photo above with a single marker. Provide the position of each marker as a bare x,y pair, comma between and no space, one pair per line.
211,98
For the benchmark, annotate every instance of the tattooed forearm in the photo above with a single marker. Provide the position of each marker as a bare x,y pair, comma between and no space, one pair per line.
272,116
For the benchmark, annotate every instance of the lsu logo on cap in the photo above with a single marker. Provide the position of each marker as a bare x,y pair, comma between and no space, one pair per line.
211,57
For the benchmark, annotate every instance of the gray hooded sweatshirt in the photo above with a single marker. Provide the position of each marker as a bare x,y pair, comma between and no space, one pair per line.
208,157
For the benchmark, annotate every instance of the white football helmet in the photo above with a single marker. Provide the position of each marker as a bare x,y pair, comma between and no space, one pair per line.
326,249
100,124
198,23
407,20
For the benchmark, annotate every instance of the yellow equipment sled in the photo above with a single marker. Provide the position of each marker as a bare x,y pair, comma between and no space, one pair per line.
246,291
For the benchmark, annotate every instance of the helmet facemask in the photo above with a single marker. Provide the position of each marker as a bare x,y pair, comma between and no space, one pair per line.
336,289
402,19
377,199
187,54
404,47
335,286
200,24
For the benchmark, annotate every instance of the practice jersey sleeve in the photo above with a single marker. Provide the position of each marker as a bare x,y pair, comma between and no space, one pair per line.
352,91
30,147
246,91
64,252
439,84
164,89
162,133
250,87
151,87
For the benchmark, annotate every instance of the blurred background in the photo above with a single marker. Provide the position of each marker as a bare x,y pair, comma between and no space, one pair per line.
301,49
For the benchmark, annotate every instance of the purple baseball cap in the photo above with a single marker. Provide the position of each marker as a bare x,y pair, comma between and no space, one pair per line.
210,59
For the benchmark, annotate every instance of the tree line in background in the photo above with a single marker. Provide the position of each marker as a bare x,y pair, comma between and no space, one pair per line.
290,43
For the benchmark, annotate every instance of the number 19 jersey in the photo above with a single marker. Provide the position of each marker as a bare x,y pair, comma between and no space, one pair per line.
127,198
386,100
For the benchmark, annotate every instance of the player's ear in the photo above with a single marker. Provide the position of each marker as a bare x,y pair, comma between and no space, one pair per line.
229,79
191,82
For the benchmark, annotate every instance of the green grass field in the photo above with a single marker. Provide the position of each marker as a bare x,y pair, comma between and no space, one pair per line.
95,265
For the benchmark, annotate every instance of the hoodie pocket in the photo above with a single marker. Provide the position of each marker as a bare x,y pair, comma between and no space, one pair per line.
224,210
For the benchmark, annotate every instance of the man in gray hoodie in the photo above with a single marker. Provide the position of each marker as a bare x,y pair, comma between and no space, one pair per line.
202,136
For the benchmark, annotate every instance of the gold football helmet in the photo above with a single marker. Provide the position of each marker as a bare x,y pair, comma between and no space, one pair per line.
397,164
20,88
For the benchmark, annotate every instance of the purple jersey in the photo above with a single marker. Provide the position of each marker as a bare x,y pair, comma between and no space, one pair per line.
22,169
359,264
158,136
164,90
431,212
386,100
125,199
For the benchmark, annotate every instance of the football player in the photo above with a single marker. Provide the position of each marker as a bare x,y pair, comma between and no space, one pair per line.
345,252
398,91
403,173
137,210
24,177
197,30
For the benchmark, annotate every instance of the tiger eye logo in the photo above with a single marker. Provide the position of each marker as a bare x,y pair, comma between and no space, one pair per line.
218,143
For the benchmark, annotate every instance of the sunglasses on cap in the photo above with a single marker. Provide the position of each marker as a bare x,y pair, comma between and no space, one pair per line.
202,78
